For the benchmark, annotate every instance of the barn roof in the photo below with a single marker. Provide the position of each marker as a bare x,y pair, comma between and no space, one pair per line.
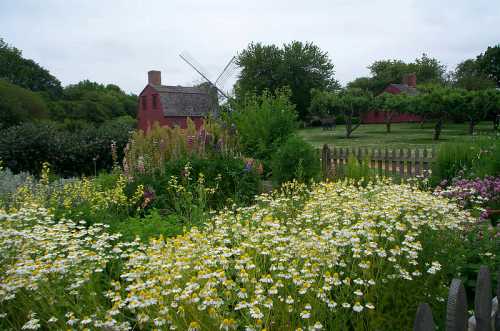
186,101
404,88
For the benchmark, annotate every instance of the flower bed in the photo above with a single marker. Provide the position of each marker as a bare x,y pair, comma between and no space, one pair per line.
337,256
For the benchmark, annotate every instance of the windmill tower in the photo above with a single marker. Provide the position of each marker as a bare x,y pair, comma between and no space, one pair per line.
221,79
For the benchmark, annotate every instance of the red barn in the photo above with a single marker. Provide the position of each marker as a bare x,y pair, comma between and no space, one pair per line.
173,105
409,87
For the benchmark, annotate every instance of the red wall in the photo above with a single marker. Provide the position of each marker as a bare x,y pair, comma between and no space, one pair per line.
375,116
148,116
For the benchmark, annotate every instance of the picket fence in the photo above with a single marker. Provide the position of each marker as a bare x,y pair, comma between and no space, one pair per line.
402,162
486,310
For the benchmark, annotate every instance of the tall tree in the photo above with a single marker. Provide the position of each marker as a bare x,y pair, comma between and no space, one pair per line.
468,75
26,73
489,63
300,66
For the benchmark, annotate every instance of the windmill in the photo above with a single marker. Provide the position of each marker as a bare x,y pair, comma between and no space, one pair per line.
219,82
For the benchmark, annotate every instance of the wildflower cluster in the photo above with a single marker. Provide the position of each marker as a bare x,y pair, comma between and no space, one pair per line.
473,193
146,152
297,260
52,267
67,197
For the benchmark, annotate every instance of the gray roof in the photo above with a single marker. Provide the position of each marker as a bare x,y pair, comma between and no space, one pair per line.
405,89
186,101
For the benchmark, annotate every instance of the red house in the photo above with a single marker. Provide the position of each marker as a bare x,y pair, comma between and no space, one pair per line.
173,105
409,87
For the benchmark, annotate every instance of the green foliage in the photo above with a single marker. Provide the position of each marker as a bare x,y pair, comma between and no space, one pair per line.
477,158
263,123
26,73
489,63
348,104
385,72
468,75
152,225
92,102
25,147
298,66
194,185
295,159
357,170
19,105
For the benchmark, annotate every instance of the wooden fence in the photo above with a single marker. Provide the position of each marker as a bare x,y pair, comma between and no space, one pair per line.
401,162
486,311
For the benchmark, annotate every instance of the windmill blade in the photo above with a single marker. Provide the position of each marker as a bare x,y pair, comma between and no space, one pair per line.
229,72
184,56
226,69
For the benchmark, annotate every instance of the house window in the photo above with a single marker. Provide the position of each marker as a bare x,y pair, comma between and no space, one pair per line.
155,101
144,102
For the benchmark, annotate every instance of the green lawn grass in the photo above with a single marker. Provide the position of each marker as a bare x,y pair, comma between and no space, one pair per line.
403,135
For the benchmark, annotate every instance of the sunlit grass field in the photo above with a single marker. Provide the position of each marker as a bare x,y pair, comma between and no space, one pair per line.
403,135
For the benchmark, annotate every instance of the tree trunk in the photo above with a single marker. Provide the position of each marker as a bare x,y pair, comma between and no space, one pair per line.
471,127
348,128
388,127
496,122
437,129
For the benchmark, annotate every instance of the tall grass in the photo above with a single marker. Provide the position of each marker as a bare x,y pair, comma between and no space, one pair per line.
479,157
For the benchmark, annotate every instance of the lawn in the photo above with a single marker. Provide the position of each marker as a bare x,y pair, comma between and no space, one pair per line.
403,135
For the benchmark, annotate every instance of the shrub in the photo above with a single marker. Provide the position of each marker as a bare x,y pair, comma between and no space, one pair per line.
295,159
25,147
264,123
196,185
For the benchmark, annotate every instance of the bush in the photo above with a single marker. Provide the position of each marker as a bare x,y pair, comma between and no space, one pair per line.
195,185
264,123
295,159
25,147
477,158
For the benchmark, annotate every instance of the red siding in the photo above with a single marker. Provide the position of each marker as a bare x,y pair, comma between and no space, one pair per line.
148,116
375,116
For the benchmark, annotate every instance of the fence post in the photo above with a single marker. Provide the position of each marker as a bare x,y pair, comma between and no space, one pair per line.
456,310
424,320
326,161
497,315
482,300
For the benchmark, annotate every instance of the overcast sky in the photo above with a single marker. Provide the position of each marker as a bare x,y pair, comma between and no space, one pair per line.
119,41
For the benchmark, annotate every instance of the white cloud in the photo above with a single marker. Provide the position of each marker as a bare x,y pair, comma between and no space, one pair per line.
119,41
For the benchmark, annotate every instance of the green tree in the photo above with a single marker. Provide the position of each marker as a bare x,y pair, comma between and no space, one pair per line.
489,63
26,73
385,72
477,105
92,102
300,66
264,122
468,75
351,104
391,104
436,103
19,105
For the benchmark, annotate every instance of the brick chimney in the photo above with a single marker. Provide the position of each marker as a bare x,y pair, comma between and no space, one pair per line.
410,80
154,77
